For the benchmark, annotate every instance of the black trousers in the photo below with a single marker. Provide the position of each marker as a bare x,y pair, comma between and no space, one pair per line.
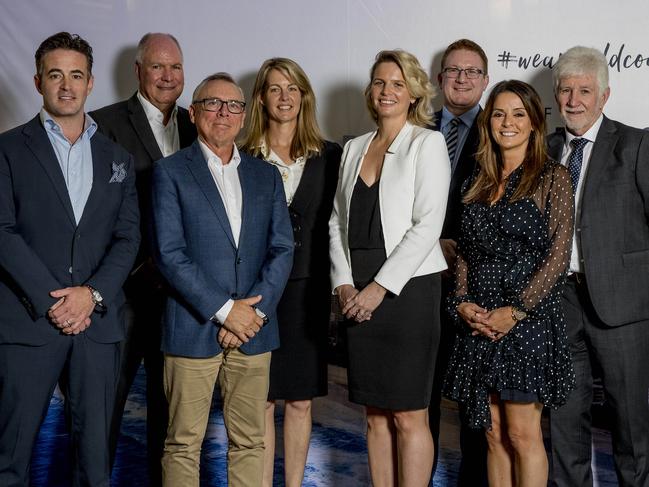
142,344
28,376
622,356
473,443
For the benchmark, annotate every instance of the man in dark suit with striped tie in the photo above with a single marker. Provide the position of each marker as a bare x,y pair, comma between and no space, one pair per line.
463,79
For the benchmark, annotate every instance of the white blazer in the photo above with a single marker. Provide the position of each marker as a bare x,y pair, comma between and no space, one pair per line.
413,191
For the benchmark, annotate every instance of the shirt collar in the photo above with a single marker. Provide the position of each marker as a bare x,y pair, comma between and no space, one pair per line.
467,117
590,135
153,114
51,126
211,156
269,155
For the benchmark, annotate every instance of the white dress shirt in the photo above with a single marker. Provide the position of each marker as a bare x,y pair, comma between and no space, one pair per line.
576,260
165,135
226,178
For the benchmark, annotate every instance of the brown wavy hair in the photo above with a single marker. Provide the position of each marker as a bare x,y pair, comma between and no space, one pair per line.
486,183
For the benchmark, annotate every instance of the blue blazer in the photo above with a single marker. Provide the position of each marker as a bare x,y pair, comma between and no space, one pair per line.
196,252
41,246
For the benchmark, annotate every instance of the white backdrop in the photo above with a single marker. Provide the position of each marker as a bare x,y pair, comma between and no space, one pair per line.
335,41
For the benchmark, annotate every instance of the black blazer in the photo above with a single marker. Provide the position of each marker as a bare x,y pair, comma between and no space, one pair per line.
41,246
310,211
126,123
466,164
614,221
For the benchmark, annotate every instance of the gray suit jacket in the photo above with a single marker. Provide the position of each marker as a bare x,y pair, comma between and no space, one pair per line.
614,222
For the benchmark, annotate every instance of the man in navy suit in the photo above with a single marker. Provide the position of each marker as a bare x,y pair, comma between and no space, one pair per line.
225,245
463,79
69,233
150,125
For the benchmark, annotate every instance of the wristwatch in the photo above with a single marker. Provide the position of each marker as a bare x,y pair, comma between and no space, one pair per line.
97,298
518,314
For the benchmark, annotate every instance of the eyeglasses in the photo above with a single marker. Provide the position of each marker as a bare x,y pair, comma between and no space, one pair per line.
215,104
471,73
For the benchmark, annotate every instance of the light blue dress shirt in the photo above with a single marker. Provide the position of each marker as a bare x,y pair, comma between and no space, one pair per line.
466,120
75,160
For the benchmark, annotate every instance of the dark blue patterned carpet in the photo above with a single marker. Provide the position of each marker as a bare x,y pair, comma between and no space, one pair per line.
337,455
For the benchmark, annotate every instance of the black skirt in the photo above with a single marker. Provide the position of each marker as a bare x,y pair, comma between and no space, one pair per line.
298,368
392,356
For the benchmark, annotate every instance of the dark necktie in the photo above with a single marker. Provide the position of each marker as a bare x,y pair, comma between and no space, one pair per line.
451,139
575,159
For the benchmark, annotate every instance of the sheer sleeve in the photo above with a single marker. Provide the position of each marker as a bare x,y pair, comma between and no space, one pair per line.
555,197
461,291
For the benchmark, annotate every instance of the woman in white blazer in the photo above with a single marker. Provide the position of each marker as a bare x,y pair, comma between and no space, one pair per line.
386,259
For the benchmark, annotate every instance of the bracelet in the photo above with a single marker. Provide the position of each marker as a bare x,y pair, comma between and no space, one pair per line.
518,314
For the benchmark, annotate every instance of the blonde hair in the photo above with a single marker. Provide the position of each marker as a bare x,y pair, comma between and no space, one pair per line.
308,139
419,86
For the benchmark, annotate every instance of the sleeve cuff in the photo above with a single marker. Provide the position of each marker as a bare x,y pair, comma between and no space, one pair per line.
221,315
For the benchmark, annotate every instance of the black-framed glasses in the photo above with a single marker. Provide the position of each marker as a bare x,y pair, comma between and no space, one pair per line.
471,73
215,104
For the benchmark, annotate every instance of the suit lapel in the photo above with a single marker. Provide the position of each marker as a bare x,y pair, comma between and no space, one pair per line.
198,167
602,150
307,187
101,174
248,181
186,129
142,128
555,144
39,144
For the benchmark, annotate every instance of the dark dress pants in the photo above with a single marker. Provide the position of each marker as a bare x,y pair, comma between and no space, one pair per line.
473,444
622,356
142,344
28,376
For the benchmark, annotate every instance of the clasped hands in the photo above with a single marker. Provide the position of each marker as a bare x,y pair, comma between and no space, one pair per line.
241,324
493,324
71,313
359,305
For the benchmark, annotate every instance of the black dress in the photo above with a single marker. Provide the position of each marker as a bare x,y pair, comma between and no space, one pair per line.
298,368
514,253
391,356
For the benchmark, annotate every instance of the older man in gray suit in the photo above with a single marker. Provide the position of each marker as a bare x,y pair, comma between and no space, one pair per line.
606,299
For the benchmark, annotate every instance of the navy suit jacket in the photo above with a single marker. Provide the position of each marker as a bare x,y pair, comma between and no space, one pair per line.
614,221
466,164
41,246
196,252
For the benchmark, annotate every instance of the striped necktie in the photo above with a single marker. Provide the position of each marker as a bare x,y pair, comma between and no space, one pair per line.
575,159
451,139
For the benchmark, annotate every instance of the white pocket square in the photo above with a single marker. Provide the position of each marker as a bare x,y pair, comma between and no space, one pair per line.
119,172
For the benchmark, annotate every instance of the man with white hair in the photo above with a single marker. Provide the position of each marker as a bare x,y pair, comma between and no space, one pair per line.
606,298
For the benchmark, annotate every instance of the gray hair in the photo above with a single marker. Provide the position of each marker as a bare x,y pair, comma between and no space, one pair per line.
220,76
579,61
146,40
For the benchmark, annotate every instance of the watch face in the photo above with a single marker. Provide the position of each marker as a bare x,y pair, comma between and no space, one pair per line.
96,296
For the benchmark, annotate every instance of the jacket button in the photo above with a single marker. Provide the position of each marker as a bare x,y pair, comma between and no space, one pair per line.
239,260
298,244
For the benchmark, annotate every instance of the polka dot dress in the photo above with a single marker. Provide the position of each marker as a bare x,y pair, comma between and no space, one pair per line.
514,253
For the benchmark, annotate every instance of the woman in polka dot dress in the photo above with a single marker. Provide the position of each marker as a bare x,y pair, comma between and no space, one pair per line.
510,356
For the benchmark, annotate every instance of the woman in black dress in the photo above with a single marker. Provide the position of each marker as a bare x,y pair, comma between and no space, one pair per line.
510,356
284,132
386,259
